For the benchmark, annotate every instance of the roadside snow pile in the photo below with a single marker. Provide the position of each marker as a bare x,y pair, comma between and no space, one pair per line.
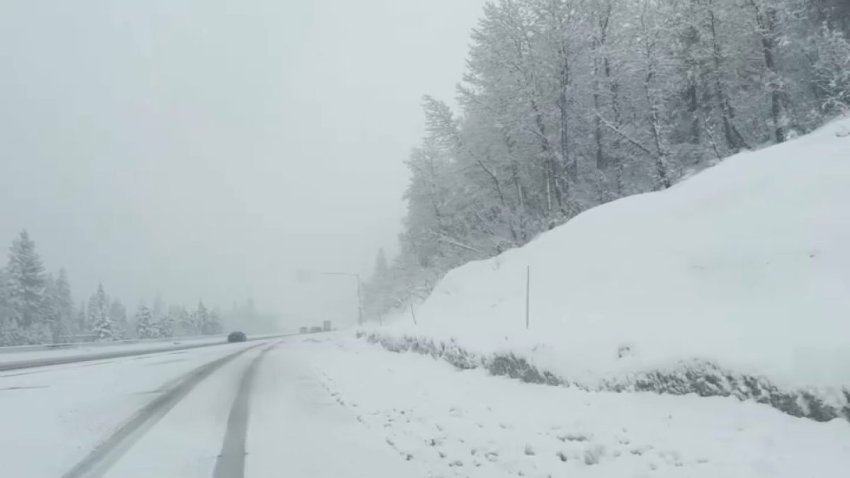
466,424
733,282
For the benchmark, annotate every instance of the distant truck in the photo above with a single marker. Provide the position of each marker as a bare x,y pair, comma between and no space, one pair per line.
314,330
303,330
326,326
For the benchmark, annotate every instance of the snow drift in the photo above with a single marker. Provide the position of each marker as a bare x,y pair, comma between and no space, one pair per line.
743,268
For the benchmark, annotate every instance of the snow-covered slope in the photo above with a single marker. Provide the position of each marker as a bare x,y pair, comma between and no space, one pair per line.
745,265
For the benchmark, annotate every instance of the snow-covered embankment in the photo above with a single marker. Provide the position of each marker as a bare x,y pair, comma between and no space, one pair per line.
733,282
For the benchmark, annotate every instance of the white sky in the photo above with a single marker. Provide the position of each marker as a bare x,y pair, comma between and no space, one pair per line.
210,148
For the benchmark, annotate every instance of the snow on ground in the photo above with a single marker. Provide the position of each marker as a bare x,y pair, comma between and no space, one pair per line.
745,265
467,424
330,405
298,429
53,416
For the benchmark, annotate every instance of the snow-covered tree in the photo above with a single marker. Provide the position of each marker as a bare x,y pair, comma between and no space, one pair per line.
118,319
98,315
60,307
569,104
144,323
182,320
158,308
25,283
204,321
200,318
8,325
81,320
3,287
213,324
831,69
164,324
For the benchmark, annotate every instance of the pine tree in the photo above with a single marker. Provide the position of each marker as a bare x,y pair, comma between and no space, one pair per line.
98,315
3,287
200,319
144,323
165,325
182,320
8,334
213,325
158,309
64,303
25,279
118,319
81,320
59,307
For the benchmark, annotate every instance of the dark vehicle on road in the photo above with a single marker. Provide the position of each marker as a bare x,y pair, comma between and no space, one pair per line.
314,330
237,337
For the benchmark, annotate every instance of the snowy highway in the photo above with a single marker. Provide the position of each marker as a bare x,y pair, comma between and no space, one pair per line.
223,411
330,405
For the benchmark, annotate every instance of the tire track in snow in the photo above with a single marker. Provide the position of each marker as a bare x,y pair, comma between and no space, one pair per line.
104,455
231,460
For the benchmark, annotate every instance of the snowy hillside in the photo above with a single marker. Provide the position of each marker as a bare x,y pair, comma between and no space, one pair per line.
745,266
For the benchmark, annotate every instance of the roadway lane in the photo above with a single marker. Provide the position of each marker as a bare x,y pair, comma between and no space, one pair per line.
265,414
187,441
52,417
241,410
43,357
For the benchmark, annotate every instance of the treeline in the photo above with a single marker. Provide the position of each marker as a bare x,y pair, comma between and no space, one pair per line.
37,307
566,105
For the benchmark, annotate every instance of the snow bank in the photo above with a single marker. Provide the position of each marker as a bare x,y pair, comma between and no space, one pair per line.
465,424
745,266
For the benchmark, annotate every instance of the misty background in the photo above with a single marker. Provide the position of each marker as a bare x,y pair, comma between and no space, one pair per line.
203,149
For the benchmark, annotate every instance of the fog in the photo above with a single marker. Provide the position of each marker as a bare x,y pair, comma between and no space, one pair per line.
203,149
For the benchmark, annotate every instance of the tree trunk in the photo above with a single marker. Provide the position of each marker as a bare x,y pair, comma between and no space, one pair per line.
766,22
505,207
570,165
550,168
662,171
734,140
600,64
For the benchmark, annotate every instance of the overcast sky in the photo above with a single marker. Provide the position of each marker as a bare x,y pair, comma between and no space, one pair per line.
206,149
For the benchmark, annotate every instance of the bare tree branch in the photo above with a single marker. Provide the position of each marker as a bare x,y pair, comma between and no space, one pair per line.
624,135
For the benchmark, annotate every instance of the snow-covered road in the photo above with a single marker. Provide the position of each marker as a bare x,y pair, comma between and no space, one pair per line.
333,406
53,416
235,410
30,356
